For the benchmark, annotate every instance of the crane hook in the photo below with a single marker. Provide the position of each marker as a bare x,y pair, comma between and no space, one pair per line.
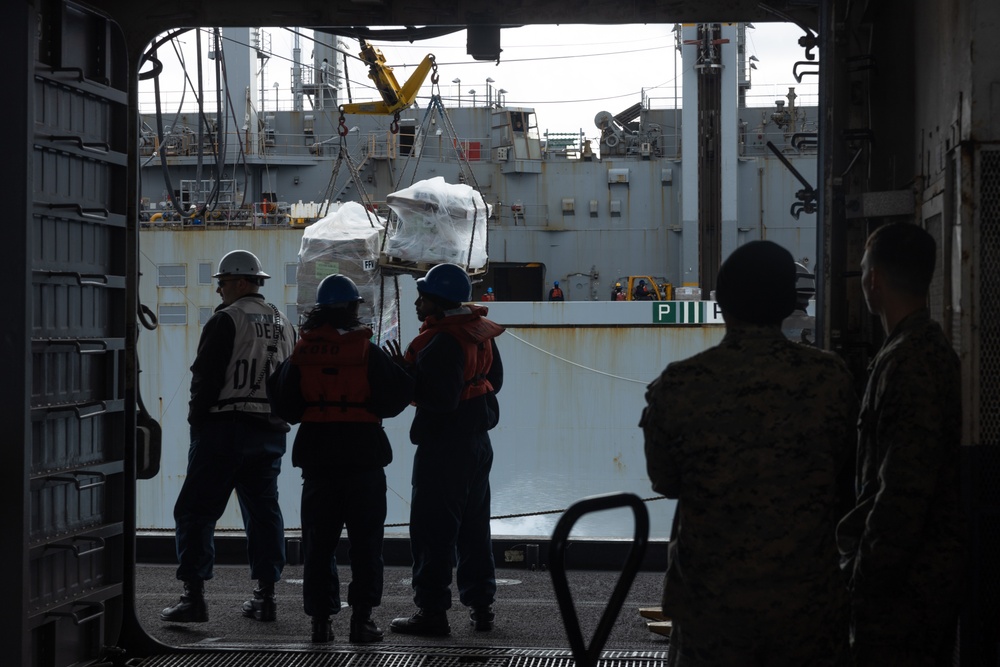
342,127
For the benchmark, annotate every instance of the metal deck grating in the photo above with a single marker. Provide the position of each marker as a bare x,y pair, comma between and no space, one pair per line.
397,657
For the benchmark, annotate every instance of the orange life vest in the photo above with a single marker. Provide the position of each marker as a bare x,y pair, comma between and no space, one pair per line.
334,368
473,332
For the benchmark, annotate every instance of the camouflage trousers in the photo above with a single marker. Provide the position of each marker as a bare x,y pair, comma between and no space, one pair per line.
759,643
901,656
906,630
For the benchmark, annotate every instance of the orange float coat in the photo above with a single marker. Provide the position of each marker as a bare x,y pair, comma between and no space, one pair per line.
334,368
473,332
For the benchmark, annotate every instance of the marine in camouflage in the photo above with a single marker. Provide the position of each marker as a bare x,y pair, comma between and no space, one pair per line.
902,545
755,438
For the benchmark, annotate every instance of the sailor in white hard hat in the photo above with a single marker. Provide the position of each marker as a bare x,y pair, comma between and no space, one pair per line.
236,443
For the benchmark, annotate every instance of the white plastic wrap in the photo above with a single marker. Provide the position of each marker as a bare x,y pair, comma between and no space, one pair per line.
437,221
345,242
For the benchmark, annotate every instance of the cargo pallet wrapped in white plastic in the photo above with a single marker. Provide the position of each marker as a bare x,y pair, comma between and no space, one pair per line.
437,222
345,242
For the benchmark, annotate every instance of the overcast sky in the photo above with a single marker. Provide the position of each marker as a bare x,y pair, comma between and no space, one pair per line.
568,73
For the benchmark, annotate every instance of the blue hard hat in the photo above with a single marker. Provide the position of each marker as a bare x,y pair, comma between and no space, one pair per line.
337,290
489,290
555,284
447,281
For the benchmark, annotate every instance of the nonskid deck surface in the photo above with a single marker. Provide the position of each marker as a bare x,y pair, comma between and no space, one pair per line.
396,657
528,624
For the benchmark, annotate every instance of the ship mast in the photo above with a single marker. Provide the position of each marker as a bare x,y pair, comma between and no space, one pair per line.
710,121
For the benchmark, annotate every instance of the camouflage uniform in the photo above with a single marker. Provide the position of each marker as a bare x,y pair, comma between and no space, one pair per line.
902,544
755,438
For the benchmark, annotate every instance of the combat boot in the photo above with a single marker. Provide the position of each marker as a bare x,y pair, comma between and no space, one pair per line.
424,623
363,628
191,608
322,629
263,606
481,618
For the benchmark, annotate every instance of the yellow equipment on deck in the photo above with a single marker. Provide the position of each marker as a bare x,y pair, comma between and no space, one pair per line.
658,288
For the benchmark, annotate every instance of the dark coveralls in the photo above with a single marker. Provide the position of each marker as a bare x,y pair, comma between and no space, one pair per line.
229,450
343,483
450,508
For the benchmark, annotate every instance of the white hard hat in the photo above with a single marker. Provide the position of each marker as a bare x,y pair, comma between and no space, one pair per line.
240,263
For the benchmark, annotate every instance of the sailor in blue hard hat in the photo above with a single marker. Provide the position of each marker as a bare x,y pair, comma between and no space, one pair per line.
447,281
337,291
445,287
556,293
457,370
340,386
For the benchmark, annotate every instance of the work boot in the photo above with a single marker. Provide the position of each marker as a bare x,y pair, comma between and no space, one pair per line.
363,628
482,618
263,606
424,623
191,608
322,629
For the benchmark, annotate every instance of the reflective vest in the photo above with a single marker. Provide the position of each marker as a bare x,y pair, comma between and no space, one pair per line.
474,333
333,364
257,335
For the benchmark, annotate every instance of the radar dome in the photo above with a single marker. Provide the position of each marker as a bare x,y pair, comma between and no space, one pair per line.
603,119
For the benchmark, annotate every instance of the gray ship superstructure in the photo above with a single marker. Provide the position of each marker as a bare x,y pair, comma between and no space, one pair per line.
662,192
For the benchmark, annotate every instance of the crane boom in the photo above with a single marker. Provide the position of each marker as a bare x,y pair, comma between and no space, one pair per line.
394,97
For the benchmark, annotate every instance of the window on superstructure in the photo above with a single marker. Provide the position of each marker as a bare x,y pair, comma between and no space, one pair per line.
517,121
204,273
204,315
171,275
290,274
292,311
171,314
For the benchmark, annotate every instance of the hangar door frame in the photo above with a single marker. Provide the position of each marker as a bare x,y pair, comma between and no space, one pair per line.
66,256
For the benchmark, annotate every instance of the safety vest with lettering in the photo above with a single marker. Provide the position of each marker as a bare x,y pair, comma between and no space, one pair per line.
257,335
333,364
473,332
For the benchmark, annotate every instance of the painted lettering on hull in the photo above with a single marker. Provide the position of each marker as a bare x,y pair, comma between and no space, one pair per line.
686,312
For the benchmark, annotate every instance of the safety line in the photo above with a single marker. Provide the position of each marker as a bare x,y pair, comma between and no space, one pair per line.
573,363
524,514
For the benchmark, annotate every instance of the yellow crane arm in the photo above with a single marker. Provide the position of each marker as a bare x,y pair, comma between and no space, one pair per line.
394,96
